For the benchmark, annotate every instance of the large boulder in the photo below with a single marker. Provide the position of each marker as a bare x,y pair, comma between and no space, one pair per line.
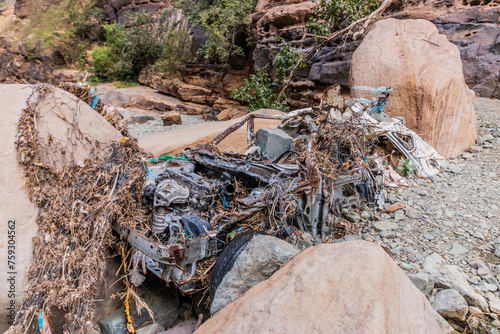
426,72
69,130
58,111
261,258
349,287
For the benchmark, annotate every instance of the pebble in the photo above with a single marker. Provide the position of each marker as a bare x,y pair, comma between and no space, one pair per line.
458,249
451,305
353,217
475,149
384,226
394,207
490,287
428,236
479,235
388,234
412,213
454,169
422,281
399,215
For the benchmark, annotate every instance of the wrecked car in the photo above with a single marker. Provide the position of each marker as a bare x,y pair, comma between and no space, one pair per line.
207,199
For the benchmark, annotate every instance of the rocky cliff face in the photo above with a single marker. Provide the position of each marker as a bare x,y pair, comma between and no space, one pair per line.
473,25
117,9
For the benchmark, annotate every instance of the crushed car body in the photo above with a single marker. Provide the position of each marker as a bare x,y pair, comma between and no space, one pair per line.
338,160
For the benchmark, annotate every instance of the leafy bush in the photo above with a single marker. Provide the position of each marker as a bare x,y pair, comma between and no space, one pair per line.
103,62
177,47
222,20
261,90
336,14
139,42
134,45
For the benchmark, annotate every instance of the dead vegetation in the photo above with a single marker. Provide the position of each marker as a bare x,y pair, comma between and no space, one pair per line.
77,206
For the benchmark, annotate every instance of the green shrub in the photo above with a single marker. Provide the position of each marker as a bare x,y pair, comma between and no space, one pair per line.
177,46
139,42
261,90
337,14
103,62
135,44
222,20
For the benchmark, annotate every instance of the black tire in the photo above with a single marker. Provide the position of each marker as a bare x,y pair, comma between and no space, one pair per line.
226,259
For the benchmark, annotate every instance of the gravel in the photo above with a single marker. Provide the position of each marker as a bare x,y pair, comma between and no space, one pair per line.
450,220
155,126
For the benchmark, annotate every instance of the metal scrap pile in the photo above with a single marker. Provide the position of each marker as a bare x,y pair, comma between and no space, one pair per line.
301,179
304,177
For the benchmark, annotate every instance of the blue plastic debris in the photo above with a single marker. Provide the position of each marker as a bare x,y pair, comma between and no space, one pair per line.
376,105
93,98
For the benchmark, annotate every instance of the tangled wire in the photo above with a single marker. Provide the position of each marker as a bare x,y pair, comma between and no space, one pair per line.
340,145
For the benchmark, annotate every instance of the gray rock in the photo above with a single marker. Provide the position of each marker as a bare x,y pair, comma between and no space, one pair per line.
153,328
352,217
423,193
413,214
389,234
483,272
428,236
273,142
458,249
433,263
393,198
490,287
422,281
449,213
475,149
352,237
497,251
384,226
115,323
305,240
479,235
260,259
459,281
451,305
453,169
399,215
185,327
